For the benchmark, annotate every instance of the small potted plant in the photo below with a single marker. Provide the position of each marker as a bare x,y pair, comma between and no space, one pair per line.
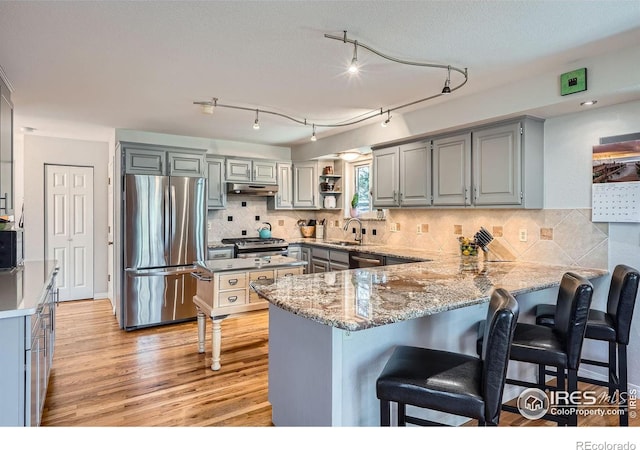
354,205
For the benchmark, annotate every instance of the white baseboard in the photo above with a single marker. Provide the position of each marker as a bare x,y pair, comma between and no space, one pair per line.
100,295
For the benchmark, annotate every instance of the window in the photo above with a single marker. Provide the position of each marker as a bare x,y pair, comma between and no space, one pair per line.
361,186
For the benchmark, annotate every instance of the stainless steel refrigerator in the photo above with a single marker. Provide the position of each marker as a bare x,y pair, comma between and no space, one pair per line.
164,233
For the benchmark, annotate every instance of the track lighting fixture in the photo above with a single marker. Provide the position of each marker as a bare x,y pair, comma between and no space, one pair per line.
446,89
313,135
209,106
386,122
353,67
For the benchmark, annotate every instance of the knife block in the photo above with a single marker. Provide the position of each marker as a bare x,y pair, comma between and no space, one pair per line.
495,251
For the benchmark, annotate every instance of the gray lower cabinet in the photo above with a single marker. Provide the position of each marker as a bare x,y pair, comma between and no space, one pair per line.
216,193
219,253
26,356
147,159
6,151
326,260
301,253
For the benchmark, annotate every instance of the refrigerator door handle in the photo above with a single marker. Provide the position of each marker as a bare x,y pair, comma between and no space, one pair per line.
172,223
165,222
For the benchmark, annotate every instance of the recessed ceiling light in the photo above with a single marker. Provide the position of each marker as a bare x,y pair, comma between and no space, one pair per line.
589,103
27,129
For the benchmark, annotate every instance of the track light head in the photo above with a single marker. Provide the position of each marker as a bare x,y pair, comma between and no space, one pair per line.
256,124
313,135
446,89
386,122
353,67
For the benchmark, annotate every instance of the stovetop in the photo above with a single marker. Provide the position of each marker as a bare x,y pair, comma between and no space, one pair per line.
245,242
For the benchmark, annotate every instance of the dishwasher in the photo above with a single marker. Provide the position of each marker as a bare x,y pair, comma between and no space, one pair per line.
359,260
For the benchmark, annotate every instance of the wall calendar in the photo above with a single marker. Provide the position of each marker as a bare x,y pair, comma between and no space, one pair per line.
615,196
616,202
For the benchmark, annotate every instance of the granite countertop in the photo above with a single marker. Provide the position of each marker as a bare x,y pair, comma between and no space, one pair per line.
365,298
22,288
264,263
378,249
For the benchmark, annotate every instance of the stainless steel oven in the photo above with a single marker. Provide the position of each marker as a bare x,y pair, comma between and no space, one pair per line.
256,247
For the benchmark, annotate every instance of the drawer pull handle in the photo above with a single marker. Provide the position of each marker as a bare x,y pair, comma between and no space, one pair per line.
288,274
262,277
233,282
232,299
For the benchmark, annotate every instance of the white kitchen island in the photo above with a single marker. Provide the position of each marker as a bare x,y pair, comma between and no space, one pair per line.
331,334
223,291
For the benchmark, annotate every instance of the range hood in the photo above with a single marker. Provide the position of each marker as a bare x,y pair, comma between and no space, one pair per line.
255,189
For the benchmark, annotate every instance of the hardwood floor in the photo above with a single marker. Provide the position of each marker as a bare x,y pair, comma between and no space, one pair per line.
104,376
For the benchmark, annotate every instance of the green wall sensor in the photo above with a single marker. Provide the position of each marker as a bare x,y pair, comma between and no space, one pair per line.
574,81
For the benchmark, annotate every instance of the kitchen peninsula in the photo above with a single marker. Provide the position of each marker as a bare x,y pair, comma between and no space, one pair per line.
347,323
223,291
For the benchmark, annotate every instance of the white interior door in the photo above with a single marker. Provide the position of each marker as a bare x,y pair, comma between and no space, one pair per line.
69,239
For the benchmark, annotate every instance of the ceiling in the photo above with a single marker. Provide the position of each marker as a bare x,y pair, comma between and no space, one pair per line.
141,65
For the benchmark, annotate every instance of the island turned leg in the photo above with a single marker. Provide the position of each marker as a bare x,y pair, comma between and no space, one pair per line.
202,328
216,337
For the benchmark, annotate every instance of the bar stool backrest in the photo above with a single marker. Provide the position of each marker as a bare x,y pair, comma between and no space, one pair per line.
622,299
572,310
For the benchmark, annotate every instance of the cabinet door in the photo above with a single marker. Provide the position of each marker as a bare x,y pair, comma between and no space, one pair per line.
497,177
305,253
452,171
385,177
284,199
216,194
238,170
186,164
336,266
144,162
6,152
415,175
305,187
264,172
319,265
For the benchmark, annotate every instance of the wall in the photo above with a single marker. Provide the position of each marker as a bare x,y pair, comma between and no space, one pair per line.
39,151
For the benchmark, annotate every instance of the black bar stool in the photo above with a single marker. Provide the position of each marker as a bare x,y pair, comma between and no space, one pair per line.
612,326
454,383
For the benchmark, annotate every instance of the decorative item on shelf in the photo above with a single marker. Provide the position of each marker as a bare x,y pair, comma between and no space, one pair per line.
330,202
328,170
354,206
326,186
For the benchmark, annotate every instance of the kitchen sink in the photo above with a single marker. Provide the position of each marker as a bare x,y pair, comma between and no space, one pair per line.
345,243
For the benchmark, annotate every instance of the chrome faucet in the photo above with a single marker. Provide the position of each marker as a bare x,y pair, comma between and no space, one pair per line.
358,237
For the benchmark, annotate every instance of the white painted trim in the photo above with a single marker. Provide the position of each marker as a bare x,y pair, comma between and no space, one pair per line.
101,296
6,81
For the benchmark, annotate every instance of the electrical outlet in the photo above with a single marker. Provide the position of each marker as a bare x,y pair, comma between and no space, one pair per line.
523,235
393,227
208,226
419,230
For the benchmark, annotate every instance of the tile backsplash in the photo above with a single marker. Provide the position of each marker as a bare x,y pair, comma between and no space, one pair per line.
555,236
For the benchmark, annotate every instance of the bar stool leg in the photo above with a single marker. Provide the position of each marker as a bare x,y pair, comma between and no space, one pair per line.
542,379
614,373
402,414
571,388
385,413
622,374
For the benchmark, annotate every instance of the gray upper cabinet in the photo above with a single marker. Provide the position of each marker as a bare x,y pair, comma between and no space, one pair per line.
497,165
500,165
145,162
247,170
185,164
145,159
284,198
452,171
216,194
6,151
305,185
402,176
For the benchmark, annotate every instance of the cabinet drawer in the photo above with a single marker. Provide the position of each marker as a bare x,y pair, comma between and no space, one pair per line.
321,253
339,256
231,298
288,272
261,275
232,281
